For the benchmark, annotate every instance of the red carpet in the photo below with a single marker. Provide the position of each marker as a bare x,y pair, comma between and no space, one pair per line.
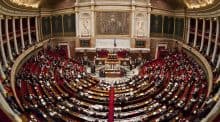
4,117
111,105
217,119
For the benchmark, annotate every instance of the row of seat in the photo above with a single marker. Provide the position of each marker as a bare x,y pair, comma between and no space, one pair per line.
173,88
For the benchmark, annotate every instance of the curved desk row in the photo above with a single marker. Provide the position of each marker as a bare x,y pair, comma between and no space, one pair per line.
31,50
203,60
18,62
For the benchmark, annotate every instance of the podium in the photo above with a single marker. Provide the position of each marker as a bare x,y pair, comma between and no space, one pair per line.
112,73
112,58
112,66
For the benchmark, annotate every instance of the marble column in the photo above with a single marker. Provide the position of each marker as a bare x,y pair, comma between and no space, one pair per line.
216,40
22,34
148,22
2,47
77,21
8,109
210,38
218,63
203,35
29,31
37,29
8,40
196,32
51,28
15,37
2,90
2,72
92,18
133,19
188,31
63,30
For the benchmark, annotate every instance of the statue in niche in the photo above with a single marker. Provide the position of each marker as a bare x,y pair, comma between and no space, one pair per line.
85,27
140,27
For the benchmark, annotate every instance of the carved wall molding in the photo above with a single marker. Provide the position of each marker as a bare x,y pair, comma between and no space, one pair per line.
11,10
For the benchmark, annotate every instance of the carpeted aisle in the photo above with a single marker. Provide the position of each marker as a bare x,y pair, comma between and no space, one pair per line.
4,117
111,105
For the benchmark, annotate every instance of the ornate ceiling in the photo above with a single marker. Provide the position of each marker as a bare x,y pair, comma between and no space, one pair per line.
176,4
191,4
197,3
27,3
39,3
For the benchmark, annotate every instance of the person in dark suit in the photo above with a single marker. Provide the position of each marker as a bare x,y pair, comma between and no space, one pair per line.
92,68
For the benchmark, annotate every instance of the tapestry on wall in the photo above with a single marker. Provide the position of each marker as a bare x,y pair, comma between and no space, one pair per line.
57,25
168,26
113,23
179,24
46,28
69,24
156,24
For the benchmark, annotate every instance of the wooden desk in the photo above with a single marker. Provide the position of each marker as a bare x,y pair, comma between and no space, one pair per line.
112,73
